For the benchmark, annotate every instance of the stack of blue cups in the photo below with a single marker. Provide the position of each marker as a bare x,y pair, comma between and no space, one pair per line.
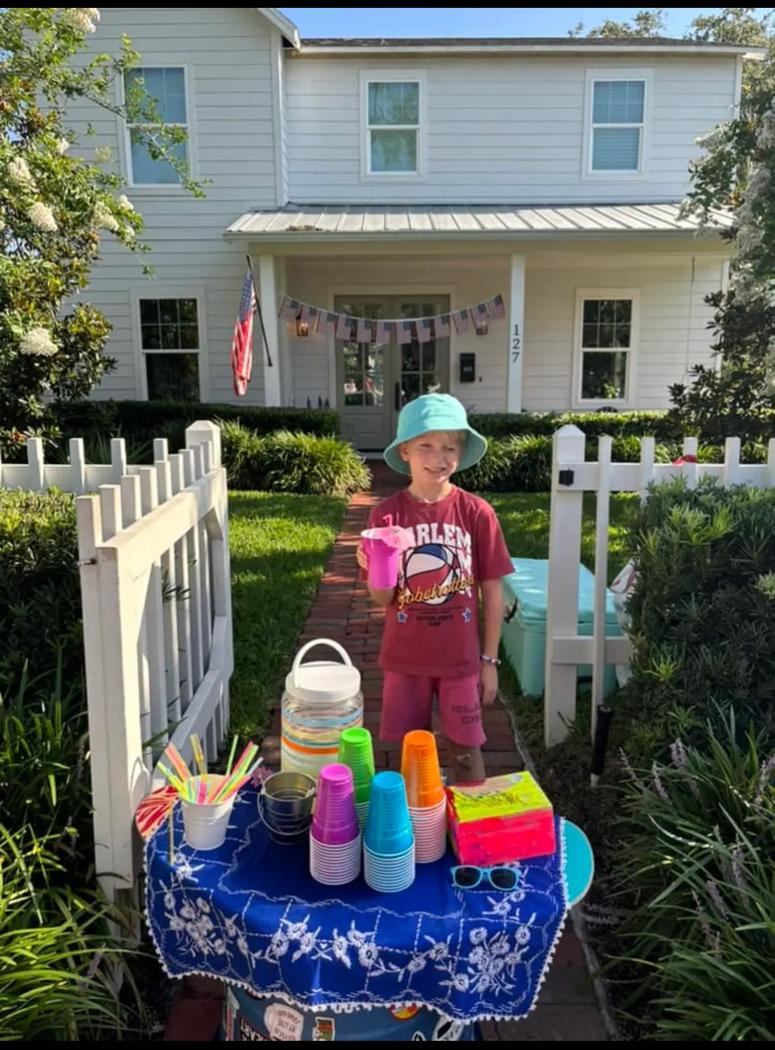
388,843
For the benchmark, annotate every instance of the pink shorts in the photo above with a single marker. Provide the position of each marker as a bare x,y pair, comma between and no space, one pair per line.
407,703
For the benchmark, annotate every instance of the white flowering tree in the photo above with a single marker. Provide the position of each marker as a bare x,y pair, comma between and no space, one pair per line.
55,208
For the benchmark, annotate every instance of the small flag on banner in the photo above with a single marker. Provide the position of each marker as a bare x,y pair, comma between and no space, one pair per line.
344,327
304,316
496,308
424,330
314,315
289,309
462,321
242,342
327,322
362,331
384,332
404,332
441,326
479,312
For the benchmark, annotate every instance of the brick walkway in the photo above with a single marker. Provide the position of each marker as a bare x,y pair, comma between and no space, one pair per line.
567,1008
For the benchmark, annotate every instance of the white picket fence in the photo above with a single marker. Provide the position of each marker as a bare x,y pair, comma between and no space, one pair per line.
572,476
156,600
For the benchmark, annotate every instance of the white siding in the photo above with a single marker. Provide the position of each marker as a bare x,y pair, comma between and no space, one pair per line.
672,334
228,55
501,128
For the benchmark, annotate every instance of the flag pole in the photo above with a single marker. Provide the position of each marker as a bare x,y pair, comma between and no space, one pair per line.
258,310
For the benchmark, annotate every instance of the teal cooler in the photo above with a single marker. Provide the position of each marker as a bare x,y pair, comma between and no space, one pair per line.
524,635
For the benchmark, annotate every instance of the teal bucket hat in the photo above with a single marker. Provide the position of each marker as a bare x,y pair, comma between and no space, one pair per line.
434,412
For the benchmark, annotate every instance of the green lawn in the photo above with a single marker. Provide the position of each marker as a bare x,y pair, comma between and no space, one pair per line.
279,547
524,517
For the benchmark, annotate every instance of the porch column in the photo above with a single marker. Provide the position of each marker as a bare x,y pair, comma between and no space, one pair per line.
267,293
516,335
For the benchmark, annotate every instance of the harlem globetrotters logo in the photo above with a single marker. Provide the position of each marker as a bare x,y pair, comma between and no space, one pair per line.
432,573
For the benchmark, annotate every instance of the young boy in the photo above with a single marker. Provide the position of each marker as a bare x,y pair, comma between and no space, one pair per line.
431,639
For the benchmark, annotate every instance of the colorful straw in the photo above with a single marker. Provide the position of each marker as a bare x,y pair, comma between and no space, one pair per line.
231,754
175,759
199,756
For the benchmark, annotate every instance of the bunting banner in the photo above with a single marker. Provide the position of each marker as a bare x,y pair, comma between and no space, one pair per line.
399,331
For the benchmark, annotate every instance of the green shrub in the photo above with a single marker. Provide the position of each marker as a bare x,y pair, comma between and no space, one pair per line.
44,767
515,464
316,466
696,839
152,419
703,610
286,462
594,424
40,599
241,451
59,963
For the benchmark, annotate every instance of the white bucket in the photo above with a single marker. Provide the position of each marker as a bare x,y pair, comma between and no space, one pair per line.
205,824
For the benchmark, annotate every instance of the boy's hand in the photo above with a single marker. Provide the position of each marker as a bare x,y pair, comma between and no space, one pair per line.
361,557
488,683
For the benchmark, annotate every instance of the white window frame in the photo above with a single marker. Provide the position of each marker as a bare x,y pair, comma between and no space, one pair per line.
394,76
126,138
583,294
596,75
169,291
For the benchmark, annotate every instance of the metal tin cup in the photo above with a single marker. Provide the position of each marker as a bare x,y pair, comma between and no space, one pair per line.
285,806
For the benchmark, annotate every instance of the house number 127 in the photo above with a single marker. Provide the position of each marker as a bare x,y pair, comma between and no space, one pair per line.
516,344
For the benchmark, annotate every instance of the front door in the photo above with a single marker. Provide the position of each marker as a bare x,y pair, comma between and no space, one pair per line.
375,380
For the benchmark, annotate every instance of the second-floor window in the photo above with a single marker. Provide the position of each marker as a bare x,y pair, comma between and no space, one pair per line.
167,86
393,127
618,120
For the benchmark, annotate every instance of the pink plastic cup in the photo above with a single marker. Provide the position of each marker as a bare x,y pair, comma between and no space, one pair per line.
383,548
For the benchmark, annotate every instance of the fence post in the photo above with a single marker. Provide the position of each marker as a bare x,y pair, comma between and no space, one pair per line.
203,432
36,464
77,466
601,574
562,582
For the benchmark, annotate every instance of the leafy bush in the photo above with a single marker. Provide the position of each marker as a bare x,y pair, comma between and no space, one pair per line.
516,464
44,768
58,961
40,600
305,463
152,419
696,839
505,424
703,610
241,451
286,462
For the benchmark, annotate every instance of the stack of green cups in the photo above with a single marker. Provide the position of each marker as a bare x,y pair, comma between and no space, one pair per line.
356,751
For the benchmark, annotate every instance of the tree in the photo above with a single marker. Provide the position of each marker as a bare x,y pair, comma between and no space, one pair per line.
735,395
55,208
647,22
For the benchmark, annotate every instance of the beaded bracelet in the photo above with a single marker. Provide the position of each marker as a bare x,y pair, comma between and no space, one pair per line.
490,660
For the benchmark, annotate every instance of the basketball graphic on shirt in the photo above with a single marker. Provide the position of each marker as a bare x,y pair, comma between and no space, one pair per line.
431,565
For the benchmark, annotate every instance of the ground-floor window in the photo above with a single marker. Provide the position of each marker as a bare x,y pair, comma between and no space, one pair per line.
605,344
170,342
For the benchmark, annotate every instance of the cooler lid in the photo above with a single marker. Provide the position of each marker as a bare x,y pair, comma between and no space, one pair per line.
528,584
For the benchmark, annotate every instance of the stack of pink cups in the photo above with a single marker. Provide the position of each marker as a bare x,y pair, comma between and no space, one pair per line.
425,794
335,836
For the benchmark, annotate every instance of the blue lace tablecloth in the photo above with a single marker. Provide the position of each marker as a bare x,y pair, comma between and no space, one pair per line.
250,914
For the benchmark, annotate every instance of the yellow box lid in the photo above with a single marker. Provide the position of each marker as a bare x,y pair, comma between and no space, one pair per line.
507,795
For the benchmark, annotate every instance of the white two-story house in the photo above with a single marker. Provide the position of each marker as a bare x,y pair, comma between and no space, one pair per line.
403,178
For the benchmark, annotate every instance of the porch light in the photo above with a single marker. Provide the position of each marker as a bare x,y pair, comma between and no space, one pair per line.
302,328
481,327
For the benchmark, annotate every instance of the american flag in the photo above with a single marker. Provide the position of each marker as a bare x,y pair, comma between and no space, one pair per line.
242,344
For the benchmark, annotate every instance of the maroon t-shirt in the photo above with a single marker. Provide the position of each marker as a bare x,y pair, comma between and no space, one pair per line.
432,625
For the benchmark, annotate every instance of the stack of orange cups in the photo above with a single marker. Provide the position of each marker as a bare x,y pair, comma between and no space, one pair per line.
425,794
